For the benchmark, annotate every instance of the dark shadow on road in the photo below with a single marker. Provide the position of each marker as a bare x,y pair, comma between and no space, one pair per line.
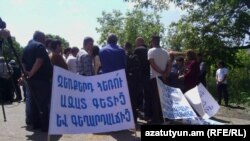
220,120
236,107
40,136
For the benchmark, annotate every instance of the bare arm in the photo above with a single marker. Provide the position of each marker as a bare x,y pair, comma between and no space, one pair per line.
155,67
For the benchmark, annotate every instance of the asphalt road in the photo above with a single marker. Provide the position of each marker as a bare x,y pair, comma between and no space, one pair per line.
15,129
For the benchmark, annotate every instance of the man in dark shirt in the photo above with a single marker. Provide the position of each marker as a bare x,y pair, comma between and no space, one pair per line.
39,72
144,84
112,56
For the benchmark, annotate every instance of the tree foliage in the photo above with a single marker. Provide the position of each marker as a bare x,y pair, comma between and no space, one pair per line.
110,23
218,29
153,4
8,52
213,27
65,43
129,26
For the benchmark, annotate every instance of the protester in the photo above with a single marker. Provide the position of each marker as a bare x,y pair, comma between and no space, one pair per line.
84,58
173,75
96,60
55,57
144,82
160,66
192,71
48,45
39,73
112,56
71,60
221,81
180,71
66,53
133,77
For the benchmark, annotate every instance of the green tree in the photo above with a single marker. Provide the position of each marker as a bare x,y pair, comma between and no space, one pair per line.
218,29
65,43
156,5
110,23
214,28
229,19
134,24
8,52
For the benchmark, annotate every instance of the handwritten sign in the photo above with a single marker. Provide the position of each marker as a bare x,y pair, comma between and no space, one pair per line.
173,103
89,104
202,101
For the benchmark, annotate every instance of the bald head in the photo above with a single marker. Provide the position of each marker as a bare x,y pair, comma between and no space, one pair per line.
139,42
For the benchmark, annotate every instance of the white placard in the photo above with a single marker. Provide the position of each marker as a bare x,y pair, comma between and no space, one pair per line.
89,104
173,103
202,101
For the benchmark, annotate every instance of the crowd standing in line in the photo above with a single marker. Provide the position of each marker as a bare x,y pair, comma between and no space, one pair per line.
143,65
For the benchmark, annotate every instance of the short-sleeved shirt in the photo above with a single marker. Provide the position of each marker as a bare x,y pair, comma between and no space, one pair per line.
33,51
84,63
221,73
71,62
112,58
161,57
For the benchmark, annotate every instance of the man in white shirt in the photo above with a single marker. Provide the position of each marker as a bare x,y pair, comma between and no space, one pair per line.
160,66
71,60
221,80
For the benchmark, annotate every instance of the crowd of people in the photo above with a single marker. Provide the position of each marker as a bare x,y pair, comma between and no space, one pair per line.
143,65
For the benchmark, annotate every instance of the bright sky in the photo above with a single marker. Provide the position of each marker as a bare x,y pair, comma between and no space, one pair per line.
70,19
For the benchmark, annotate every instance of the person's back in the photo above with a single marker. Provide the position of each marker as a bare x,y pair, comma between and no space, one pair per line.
39,71
71,60
160,57
142,53
35,50
133,65
112,56
192,71
160,66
